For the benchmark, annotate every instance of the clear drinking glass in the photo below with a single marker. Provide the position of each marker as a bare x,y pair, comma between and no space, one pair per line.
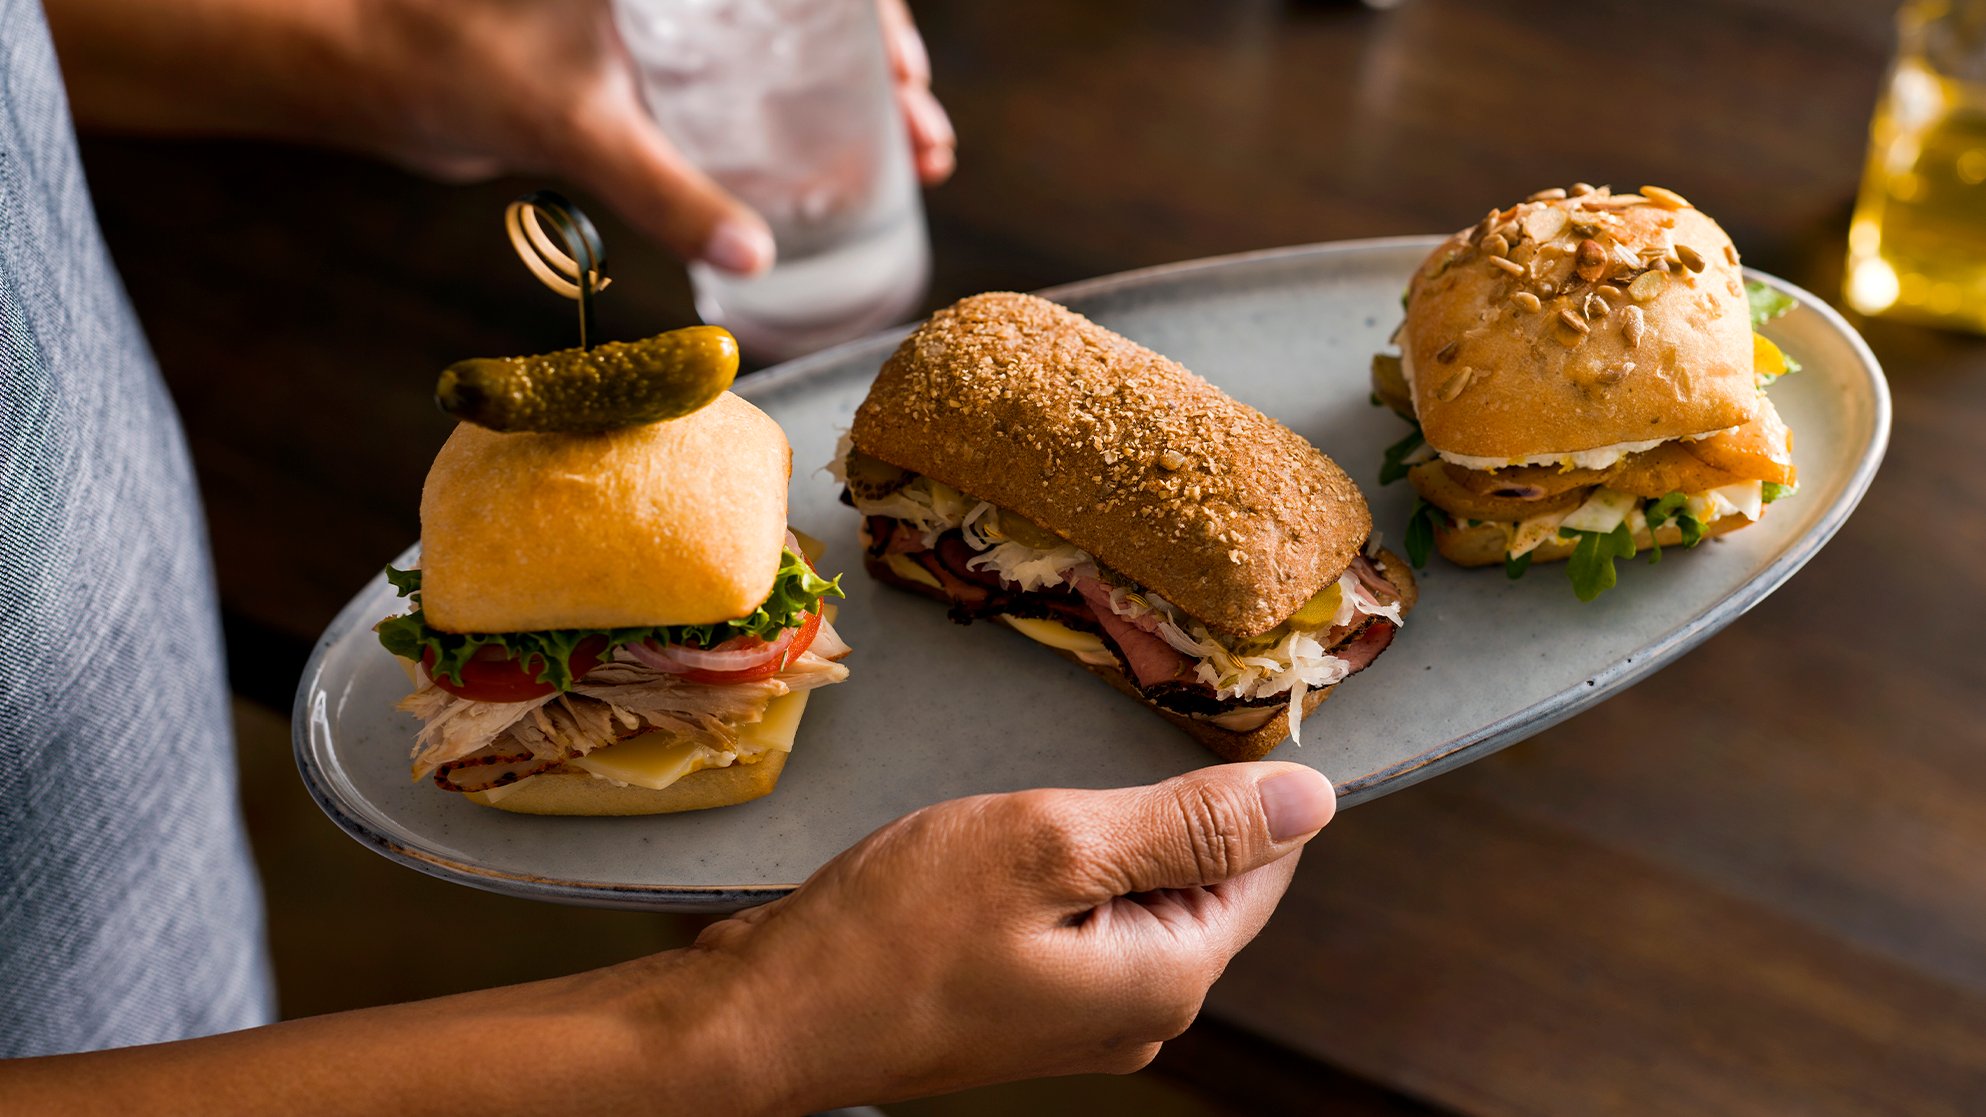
1917,245
789,105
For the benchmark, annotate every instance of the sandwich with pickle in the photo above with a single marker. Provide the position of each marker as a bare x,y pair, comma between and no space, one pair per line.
1022,465
614,622
1586,384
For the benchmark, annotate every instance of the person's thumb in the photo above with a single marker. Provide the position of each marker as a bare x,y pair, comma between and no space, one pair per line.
623,157
1208,826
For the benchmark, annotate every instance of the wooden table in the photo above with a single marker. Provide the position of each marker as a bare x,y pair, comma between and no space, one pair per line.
1754,884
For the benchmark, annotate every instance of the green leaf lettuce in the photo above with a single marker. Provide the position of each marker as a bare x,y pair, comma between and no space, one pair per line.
796,591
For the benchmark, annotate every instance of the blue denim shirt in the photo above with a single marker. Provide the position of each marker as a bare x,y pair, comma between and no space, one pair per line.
129,911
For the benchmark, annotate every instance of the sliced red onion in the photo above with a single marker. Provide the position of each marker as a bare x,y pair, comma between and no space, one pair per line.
653,659
675,659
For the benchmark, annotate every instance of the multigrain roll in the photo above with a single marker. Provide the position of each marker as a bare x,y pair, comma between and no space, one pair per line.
1116,448
1021,463
1586,383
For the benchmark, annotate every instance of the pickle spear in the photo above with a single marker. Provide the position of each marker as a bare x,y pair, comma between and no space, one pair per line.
618,384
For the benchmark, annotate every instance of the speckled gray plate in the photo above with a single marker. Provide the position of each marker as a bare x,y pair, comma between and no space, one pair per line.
934,711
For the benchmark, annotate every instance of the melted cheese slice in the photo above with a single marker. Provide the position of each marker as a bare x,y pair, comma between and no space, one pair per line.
656,760
903,566
1084,645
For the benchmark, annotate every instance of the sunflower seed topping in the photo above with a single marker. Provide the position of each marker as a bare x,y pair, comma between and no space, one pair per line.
1552,195
1591,261
1691,258
1528,301
1545,223
1664,197
1508,265
1446,354
1455,384
1647,285
1581,189
1573,320
1634,325
1496,245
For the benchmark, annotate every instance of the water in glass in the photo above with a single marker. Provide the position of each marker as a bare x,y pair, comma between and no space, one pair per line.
788,104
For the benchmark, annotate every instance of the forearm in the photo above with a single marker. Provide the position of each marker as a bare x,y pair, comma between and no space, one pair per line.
661,1035
233,67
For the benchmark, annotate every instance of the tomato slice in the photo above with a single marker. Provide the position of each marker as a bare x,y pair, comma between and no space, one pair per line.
492,675
801,640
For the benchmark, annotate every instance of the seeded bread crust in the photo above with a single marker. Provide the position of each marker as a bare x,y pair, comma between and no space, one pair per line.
1220,509
1512,353
1483,544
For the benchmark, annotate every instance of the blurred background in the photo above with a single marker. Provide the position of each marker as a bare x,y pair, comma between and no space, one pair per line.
1753,884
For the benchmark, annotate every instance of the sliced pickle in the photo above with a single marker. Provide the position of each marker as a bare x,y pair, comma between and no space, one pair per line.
872,478
1027,533
1320,610
618,384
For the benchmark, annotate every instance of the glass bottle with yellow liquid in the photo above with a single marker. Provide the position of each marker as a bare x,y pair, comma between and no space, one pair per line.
1917,246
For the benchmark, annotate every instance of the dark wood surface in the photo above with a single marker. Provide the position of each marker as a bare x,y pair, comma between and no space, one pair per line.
1753,884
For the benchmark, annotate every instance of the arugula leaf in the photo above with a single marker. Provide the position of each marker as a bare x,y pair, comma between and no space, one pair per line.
1766,303
1692,529
1420,531
1659,511
1774,490
1591,567
1514,566
1671,507
1395,466
547,653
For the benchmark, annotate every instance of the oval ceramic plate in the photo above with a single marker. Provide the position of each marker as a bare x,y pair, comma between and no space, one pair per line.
934,711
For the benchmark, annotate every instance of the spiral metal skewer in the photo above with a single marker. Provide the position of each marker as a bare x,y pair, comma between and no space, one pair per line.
575,266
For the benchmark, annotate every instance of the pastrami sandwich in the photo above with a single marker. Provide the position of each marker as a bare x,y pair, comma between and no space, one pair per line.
1024,465
1587,384
615,623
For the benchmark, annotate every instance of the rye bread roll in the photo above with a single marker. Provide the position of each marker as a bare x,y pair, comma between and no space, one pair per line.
1560,325
1123,452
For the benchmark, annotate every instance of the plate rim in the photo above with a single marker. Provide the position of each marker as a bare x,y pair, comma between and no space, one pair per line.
1442,757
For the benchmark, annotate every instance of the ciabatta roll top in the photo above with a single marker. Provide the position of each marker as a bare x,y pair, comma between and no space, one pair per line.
679,522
